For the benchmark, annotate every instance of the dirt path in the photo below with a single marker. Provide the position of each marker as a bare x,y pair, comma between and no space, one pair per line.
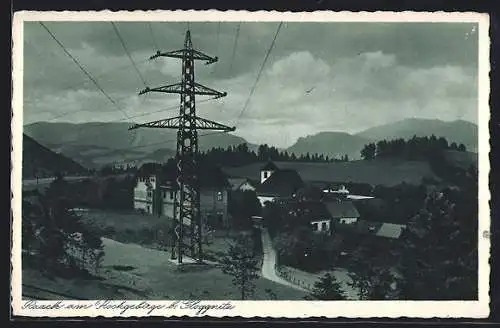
269,262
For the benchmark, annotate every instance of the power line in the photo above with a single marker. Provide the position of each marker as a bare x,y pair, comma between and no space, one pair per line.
166,141
87,73
82,68
155,44
259,74
128,54
237,35
218,37
217,45
70,112
132,116
113,70
73,86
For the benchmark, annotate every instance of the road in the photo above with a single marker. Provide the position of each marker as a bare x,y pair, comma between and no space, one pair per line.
269,262
301,277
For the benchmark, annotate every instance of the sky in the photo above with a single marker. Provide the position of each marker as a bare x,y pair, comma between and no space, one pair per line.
331,76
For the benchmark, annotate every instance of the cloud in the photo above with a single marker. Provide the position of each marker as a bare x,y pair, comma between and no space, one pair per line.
319,77
350,95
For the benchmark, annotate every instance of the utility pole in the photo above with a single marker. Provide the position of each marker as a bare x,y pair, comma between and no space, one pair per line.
187,218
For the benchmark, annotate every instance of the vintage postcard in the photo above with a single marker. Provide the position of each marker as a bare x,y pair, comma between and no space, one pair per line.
237,164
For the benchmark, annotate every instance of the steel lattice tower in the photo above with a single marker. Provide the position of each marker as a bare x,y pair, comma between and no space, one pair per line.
187,218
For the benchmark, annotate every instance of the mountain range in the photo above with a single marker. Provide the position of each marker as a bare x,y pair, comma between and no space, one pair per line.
337,143
94,144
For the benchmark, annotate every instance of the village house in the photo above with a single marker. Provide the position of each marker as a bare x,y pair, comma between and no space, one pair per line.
385,230
324,216
324,210
277,183
281,185
156,194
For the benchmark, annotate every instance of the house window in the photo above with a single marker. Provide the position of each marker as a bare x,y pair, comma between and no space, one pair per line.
149,193
265,174
219,196
314,227
171,194
164,194
323,226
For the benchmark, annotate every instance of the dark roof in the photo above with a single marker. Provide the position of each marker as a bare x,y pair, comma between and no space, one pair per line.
235,183
209,176
309,192
341,209
282,183
270,166
313,210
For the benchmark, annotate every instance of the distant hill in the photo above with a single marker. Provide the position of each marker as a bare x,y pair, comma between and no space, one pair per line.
456,131
95,144
333,144
339,143
42,162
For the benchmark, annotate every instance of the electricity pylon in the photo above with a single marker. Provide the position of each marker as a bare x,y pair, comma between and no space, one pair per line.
187,200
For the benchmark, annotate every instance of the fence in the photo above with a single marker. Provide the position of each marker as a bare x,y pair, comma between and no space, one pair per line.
294,276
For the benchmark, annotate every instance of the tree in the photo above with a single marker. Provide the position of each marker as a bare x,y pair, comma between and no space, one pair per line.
242,205
368,152
327,288
272,295
462,147
241,265
372,282
439,258
298,246
61,239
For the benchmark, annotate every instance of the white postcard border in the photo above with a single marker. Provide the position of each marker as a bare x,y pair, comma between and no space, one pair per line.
274,309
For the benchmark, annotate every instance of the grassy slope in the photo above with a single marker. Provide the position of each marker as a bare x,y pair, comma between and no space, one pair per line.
41,161
153,276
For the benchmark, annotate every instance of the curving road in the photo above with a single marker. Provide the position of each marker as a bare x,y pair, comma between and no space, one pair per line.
269,262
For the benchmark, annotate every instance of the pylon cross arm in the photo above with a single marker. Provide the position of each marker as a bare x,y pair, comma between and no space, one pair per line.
204,124
176,123
169,123
196,88
206,91
196,55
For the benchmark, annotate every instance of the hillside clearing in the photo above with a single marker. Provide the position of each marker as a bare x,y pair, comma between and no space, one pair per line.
376,172
462,159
